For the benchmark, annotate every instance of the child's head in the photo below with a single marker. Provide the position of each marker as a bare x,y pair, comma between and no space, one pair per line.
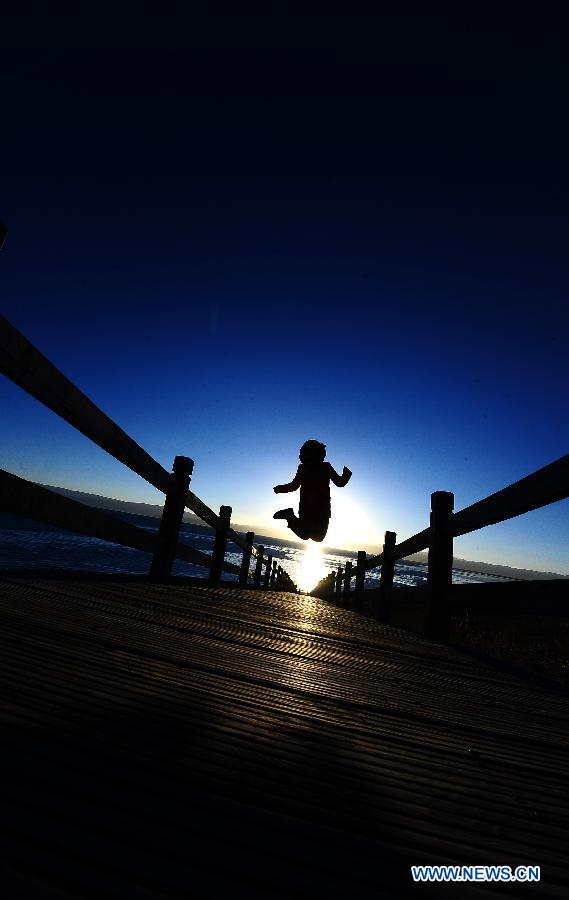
312,452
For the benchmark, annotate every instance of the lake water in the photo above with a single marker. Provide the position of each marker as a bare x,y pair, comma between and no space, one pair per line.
27,545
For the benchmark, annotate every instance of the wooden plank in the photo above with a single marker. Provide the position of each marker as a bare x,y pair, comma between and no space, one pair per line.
31,370
336,761
547,485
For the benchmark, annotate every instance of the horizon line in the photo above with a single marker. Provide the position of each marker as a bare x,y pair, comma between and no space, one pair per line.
365,545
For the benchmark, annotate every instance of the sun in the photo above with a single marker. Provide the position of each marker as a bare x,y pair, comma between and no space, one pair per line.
350,526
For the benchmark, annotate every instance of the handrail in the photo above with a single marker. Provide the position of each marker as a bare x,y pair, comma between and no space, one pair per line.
413,544
31,370
547,485
543,487
207,515
372,563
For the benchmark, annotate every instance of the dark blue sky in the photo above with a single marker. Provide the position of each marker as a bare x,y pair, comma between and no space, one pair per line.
235,235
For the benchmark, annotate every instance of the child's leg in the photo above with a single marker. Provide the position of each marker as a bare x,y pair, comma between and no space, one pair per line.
311,524
319,529
308,526
300,528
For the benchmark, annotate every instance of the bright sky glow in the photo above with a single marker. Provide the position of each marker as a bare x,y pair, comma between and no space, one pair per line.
283,266
350,525
312,567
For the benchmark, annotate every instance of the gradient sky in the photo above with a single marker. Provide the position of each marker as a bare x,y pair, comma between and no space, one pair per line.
234,238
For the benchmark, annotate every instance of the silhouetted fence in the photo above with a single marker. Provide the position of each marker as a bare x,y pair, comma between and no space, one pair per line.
29,369
440,597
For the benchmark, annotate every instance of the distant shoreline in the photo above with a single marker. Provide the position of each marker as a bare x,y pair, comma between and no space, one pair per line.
136,510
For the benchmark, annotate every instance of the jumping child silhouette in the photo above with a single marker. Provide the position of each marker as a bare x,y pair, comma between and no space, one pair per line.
313,477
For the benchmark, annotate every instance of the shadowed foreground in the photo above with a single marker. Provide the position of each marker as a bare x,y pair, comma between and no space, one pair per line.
188,741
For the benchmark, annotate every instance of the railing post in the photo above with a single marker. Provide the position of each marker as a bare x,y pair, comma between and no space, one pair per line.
218,555
439,577
331,586
387,571
339,584
171,521
246,560
268,567
258,566
273,577
347,582
360,578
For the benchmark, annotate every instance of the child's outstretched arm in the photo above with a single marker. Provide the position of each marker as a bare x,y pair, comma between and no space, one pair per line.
292,486
340,480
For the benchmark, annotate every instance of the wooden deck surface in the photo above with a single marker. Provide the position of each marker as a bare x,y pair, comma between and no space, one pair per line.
197,742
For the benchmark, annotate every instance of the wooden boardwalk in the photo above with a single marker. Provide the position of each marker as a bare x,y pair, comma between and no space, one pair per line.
197,742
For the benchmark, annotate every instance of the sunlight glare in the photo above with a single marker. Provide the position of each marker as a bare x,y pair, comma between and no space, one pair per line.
349,526
312,567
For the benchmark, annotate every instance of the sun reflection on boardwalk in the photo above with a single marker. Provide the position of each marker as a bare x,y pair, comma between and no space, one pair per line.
311,569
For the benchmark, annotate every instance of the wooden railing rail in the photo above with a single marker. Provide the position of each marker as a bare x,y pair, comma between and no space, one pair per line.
547,485
31,370
543,487
208,516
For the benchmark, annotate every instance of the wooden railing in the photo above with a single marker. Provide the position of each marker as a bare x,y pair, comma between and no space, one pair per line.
27,367
547,485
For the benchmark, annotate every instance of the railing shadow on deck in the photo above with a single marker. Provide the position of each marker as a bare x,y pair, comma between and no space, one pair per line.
428,609
21,362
